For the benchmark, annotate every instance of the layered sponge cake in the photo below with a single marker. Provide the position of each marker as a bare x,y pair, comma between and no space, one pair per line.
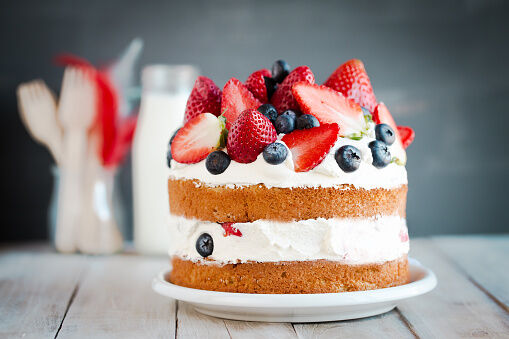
280,185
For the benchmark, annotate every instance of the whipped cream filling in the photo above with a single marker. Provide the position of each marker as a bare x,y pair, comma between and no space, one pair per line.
352,241
326,174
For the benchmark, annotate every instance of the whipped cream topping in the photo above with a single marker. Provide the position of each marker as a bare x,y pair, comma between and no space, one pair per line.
349,241
326,174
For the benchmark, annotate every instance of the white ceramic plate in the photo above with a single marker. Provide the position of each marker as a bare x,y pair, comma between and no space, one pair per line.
299,307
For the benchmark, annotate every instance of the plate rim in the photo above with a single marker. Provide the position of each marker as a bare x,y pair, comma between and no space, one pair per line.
424,284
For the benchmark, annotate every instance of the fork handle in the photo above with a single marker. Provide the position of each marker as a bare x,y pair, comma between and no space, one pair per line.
70,190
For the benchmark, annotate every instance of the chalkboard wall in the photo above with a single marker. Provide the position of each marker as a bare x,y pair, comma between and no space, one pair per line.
441,67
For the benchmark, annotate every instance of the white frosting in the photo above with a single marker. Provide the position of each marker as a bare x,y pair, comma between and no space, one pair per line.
350,241
326,174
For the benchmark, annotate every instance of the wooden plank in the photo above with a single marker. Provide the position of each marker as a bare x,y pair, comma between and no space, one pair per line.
35,290
388,325
456,308
485,259
115,300
192,324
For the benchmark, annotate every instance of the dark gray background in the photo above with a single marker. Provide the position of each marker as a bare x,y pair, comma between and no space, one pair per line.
440,66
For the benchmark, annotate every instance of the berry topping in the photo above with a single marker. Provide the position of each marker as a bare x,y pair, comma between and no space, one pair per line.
168,157
407,135
205,245
236,99
280,70
290,113
348,158
353,82
275,153
328,105
385,133
173,137
285,124
217,162
256,84
229,229
380,153
198,138
271,86
381,115
249,135
283,97
310,146
307,121
269,111
205,98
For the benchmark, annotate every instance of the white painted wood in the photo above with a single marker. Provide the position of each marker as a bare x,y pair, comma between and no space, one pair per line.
191,324
245,329
389,324
115,300
484,259
456,308
35,289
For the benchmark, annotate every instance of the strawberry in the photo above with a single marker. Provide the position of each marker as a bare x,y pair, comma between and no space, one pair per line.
236,99
256,84
283,97
249,135
310,146
352,81
199,137
407,135
229,229
328,105
204,98
381,115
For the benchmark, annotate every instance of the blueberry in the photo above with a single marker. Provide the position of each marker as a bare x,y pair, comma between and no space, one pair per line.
285,124
307,121
217,162
168,157
348,158
290,113
385,133
205,245
280,69
269,111
380,153
271,86
275,153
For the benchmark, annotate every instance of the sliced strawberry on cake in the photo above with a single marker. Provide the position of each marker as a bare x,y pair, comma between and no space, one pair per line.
256,84
328,106
283,98
381,115
353,82
235,100
310,146
199,137
407,135
204,98
249,135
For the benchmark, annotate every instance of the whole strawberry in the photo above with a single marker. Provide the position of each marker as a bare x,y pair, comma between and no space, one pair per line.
283,97
249,135
204,98
352,81
256,84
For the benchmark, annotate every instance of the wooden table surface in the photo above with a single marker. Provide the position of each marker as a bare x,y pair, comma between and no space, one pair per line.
48,295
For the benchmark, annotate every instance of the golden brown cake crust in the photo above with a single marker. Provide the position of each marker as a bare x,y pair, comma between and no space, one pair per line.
290,277
190,199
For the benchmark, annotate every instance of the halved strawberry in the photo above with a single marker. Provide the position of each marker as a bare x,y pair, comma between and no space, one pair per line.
310,146
407,135
381,115
235,100
328,105
249,135
229,229
199,137
204,98
283,97
256,84
352,81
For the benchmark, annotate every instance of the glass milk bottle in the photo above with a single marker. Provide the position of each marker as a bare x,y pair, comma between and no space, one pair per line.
163,101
